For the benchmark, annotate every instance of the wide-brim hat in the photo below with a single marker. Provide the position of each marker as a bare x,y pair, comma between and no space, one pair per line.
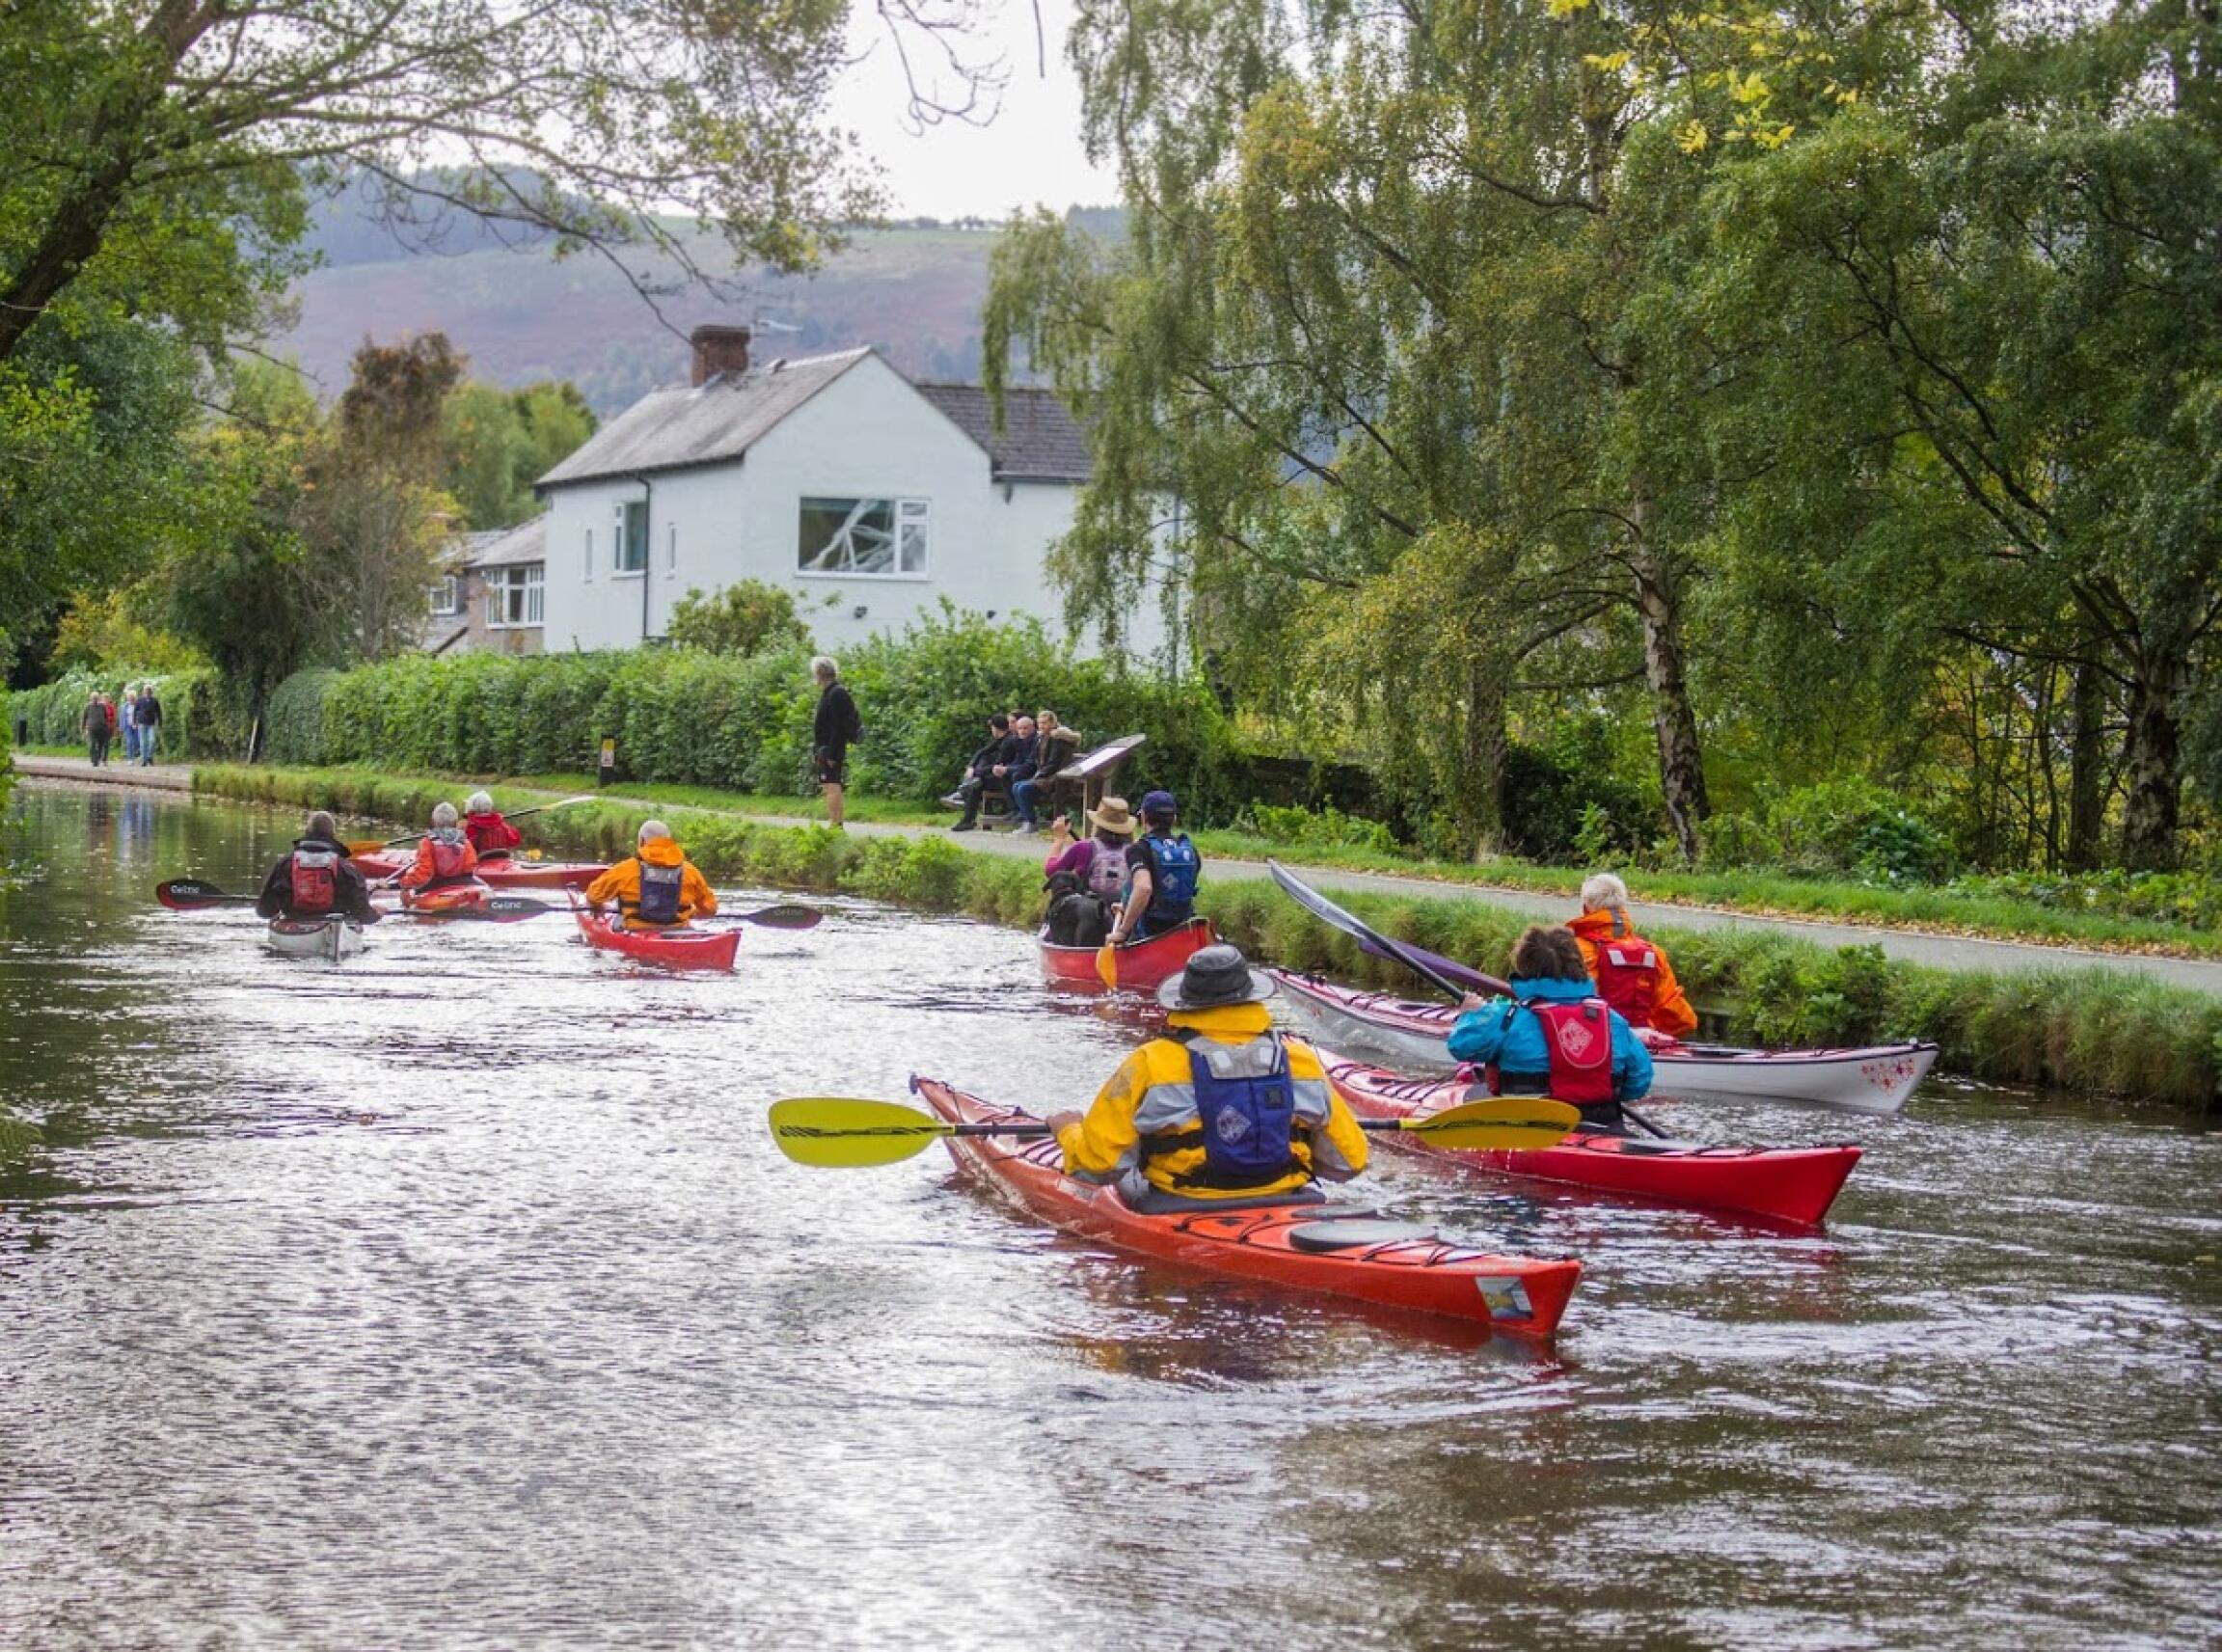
1215,976
1113,816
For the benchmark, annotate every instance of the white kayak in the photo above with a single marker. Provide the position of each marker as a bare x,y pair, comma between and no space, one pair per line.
328,939
1409,1037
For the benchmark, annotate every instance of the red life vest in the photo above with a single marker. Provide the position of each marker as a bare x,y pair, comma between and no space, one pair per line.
1628,976
1578,1039
315,882
490,835
449,859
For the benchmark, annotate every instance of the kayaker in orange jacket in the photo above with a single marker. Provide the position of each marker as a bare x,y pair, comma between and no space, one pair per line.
1222,1107
444,855
1632,973
659,888
492,836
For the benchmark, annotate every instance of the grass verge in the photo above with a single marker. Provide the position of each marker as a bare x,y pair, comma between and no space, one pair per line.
2081,1030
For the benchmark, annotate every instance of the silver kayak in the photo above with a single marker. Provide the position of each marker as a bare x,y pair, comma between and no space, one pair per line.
1409,1037
328,939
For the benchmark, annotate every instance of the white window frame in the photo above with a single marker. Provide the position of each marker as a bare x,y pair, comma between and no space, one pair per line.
622,532
528,580
446,596
909,515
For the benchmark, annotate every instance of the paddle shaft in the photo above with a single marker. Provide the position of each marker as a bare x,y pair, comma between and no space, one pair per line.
535,809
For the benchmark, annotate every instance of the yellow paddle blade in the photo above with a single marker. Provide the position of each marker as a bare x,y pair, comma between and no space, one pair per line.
840,1133
1107,965
1506,1123
365,844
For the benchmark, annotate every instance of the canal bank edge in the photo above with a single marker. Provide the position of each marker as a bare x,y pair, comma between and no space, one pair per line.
2075,1029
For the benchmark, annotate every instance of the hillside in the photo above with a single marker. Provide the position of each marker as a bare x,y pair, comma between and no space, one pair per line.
521,316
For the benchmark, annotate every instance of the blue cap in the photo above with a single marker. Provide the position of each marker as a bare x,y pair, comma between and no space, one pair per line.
1159,803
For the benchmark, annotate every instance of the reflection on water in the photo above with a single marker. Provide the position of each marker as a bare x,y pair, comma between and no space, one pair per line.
457,1298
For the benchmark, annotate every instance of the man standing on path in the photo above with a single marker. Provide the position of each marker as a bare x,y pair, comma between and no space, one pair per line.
130,725
149,716
93,724
837,724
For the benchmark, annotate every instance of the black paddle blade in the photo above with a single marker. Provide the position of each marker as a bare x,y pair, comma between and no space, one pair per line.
189,894
784,917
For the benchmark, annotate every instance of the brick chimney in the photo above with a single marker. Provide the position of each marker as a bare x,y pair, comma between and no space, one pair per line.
719,350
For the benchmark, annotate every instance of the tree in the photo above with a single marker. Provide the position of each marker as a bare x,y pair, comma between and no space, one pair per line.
746,617
498,443
149,133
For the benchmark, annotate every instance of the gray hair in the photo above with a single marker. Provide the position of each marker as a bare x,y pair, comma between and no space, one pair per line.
479,803
322,825
652,829
1600,890
824,668
443,814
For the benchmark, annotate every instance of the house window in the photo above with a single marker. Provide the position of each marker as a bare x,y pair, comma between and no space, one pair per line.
446,596
873,536
632,536
513,595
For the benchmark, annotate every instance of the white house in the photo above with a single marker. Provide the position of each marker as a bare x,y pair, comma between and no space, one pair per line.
871,497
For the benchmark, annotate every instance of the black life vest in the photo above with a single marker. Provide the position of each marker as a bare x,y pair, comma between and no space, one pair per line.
659,887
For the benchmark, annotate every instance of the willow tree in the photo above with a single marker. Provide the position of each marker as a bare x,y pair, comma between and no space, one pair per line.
1384,296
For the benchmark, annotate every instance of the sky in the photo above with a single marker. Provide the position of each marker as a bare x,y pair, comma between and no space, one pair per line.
1028,154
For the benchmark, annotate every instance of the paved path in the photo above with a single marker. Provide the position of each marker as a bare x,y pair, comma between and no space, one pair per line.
1938,951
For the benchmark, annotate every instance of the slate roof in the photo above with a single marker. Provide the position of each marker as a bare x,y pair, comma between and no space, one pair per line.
506,547
1040,440
671,429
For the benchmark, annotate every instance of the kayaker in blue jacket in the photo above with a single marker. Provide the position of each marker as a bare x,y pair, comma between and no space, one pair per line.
1554,1036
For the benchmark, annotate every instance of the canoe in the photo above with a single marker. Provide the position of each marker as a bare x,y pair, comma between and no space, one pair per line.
1339,1249
518,873
1143,966
1784,1184
446,901
328,939
673,949
1876,1079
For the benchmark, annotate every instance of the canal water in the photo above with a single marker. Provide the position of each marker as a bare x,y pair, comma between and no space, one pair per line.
458,1298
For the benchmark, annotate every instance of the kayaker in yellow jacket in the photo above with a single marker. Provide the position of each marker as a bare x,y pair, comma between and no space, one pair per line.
1222,1108
659,888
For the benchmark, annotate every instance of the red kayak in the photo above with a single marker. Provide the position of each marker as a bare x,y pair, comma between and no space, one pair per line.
1786,1185
1342,1249
518,873
448,901
673,949
1142,965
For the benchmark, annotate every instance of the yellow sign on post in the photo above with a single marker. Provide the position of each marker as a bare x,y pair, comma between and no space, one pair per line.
607,770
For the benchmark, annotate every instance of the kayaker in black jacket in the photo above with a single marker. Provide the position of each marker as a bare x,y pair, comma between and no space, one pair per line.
317,879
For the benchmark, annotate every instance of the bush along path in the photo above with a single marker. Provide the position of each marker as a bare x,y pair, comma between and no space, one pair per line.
2101,1030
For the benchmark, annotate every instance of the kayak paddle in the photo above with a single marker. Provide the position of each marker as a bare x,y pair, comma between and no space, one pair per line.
499,908
841,1133
1107,965
1425,965
191,895
775,917
372,846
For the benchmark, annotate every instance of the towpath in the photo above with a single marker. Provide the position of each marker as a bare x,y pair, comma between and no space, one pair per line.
1914,946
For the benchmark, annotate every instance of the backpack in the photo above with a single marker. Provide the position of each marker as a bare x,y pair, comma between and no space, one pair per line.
315,882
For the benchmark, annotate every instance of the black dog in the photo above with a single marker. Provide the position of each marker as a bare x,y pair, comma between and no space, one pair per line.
1076,917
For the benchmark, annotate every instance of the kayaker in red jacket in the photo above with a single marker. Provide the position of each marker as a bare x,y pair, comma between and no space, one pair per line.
1632,973
492,836
317,879
444,855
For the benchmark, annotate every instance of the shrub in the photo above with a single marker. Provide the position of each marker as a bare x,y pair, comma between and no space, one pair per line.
197,719
1327,827
746,617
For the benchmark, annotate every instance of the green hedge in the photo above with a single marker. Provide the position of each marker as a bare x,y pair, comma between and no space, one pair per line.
684,718
2085,1030
197,719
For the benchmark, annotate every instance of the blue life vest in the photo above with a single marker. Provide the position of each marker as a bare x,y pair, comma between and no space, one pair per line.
1247,1123
659,887
1174,866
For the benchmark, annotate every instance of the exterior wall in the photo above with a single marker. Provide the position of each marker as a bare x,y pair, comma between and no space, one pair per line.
868,434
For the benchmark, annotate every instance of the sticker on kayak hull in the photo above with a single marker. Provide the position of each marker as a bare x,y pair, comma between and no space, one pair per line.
1508,1298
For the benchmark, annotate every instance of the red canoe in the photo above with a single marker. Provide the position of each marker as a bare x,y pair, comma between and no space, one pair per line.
1143,966
1310,1247
1785,1184
499,874
445,901
674,949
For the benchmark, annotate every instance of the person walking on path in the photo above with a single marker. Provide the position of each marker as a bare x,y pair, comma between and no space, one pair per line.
149,716
837,724
93,723
129,722
1554,1036
1220,1108
1632,974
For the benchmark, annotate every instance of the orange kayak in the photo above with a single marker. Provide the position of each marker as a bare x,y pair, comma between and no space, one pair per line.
1335,1249
673,949
446,901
